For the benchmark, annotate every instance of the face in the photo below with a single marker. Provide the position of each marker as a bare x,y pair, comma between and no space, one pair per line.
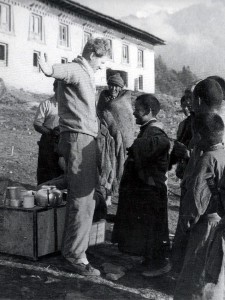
97,63
139,114
187,105
114,90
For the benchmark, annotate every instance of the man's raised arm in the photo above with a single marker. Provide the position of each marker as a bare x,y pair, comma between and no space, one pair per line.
45,66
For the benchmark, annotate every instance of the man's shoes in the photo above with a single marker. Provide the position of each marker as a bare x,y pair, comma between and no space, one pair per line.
84,269
158,271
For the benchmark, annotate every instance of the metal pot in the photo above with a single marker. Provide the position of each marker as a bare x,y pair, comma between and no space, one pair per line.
48,196
58,196
44,197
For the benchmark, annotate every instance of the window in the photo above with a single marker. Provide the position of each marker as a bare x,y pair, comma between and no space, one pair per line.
64,60
36,27
140,58
125,54
87,37
140,82
110,45
5,17
3,54
35,60
63,35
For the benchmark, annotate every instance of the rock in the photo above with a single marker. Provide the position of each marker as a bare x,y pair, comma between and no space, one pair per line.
112,276
114,269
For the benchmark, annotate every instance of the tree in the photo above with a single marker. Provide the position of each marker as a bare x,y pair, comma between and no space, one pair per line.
172,82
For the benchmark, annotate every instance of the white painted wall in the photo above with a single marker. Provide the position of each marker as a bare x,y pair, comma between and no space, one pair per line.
21,74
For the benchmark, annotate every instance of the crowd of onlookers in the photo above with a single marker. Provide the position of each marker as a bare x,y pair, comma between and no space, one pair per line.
100,157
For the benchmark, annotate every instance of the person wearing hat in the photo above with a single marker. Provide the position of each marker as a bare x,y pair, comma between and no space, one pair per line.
115,85
115,111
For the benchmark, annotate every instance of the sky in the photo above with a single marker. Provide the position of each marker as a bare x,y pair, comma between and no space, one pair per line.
194,30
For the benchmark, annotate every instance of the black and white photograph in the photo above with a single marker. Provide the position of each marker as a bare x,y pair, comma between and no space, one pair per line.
112,149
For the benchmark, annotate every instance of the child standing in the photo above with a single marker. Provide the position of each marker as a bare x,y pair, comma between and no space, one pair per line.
201,206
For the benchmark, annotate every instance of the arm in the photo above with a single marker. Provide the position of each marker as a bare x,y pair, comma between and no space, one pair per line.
198,193
150,147
40,119
45,66
66,72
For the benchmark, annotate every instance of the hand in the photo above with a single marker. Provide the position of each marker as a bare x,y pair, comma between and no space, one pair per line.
184,224
109,201
180,150
44,65
56,131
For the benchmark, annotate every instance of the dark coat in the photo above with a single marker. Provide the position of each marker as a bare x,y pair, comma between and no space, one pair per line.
141,222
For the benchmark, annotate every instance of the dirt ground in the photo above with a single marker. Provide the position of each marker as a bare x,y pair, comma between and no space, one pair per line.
23,279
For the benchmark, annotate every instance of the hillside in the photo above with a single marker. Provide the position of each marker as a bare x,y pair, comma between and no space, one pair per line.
16,119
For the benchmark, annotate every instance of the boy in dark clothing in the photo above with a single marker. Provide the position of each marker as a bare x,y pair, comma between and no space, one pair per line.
207,98
184,135
201,207
141,226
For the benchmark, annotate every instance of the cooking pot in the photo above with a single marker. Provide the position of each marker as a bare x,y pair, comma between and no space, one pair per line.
48,196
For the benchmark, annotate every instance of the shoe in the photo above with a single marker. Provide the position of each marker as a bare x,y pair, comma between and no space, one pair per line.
158,272
85,270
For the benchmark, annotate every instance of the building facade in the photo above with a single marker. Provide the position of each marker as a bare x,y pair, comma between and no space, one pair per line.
60,28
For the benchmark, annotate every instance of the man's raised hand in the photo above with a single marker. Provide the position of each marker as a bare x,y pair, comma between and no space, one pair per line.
44,65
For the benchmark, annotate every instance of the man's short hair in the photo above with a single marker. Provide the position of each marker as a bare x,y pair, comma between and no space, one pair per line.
210,92
210,126
149,101
99,46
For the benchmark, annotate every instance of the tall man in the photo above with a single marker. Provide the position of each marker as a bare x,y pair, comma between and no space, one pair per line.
78,131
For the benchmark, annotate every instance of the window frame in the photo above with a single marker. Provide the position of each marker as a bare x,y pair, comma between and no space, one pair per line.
140,82
37,67
6,27
39,34
140,63
65,60
4,62
63,42
111,48
125,60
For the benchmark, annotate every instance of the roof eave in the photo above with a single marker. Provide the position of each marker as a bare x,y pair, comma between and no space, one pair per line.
104,19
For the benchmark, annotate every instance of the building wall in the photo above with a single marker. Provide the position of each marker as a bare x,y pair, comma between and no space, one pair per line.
20,72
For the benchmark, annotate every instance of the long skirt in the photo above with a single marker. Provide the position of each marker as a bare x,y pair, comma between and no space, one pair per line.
141,225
